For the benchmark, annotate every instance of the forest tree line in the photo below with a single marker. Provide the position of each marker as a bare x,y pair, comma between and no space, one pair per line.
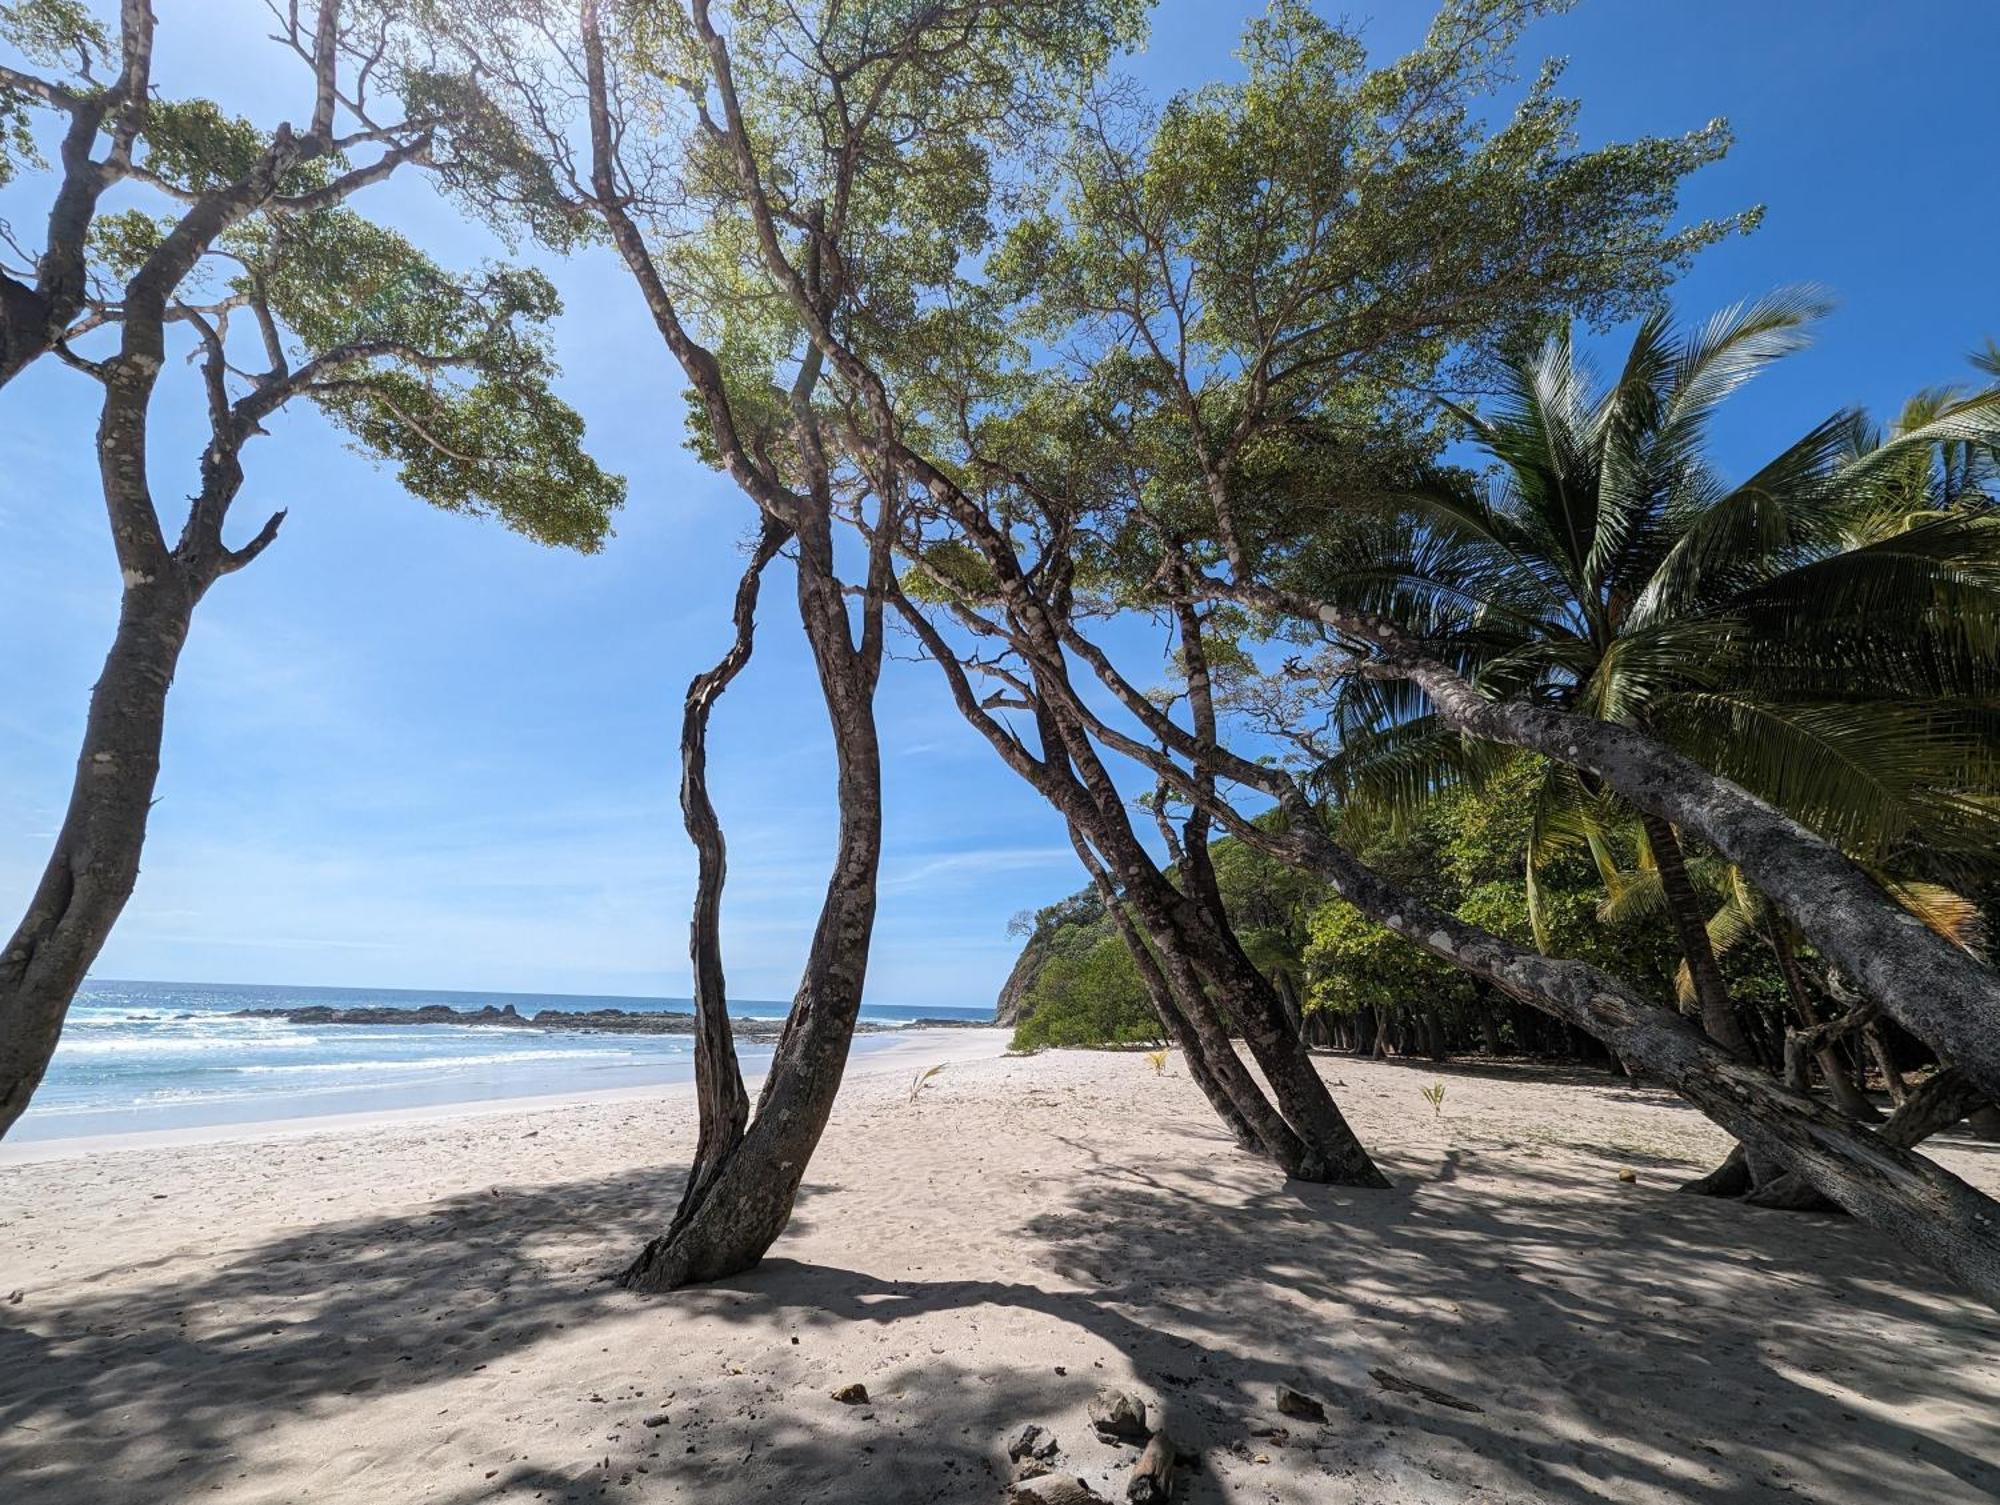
1358,987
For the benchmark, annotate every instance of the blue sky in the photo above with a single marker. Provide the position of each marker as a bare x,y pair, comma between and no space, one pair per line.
413,750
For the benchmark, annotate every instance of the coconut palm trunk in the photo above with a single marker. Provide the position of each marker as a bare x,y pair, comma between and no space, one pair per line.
1690,921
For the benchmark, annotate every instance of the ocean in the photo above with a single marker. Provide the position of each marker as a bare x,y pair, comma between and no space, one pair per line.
166,1055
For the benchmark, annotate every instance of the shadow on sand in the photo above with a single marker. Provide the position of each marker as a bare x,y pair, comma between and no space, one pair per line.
1637,1347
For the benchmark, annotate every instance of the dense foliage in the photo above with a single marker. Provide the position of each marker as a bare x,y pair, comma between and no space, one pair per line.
1356,982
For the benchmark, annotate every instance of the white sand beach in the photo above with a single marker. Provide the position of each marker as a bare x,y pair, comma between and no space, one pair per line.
418,1309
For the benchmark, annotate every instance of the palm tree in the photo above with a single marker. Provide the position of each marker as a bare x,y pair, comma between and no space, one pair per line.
1823,632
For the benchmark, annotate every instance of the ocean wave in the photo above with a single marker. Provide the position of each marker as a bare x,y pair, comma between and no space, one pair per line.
72,1048
427,1063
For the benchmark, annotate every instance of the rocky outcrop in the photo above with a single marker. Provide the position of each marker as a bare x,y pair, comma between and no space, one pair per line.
594,1021
1007,1008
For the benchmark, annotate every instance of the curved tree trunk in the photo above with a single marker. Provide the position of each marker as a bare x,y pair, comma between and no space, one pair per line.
95,864
1313,1141
1178,993
1684,908
1946,998
1189,933
1931,987
1885,1062
1938,1104
722,1103
1200,920
749,1189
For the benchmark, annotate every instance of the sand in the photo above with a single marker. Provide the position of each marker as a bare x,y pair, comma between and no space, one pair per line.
417,1309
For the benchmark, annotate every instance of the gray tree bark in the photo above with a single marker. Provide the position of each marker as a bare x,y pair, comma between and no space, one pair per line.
1306,1136
749,1188
95,863
1931,987
1931,1212
722,1104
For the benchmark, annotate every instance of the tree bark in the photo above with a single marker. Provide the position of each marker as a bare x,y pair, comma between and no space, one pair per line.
1885,1061
1847,1094
1197,916
95,863
1311,1141
1211,1055
722,1104
1938,1104
1927,984
749,1194
1197,1047
1684,908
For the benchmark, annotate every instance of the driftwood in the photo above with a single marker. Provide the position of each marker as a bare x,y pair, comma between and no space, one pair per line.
1152,1481
1388,1379
1056,1489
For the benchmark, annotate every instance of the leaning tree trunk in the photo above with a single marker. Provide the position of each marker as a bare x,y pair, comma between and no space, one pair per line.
1187,932
1684,908
749,1193
1938,1104
1924,1207
1931,987
1196,1046
1070,776
1927,984
95,864
1885,1061
1199,921
1179,998
1847,1093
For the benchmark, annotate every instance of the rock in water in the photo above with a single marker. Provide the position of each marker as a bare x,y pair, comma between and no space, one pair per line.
1119,1416
852,1395
1304,1407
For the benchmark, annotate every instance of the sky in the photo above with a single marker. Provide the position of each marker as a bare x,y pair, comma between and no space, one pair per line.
407,749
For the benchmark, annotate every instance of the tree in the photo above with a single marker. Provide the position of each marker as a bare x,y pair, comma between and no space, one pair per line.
826,173
39,302
1806,632
1204,348
283,293
1302,262
1369,200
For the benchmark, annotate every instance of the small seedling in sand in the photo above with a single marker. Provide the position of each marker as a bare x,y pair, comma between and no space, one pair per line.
1157,1059
922,1077
1434,1095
